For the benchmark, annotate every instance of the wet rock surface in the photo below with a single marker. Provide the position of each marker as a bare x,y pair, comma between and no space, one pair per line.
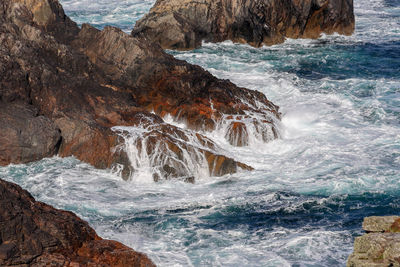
380,246
35,234
165,85
76,84
177,24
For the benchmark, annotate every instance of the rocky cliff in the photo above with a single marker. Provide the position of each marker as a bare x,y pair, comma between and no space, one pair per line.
177,24
380,246
35,234
63,89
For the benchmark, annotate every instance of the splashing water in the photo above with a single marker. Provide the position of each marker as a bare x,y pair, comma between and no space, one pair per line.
337,161
177,155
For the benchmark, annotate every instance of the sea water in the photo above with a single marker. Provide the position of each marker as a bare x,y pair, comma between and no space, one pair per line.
338,159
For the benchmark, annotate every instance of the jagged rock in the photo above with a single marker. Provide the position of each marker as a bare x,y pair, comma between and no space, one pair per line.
49,16
380,246
83,82
175,153
165,85
35,234
177,24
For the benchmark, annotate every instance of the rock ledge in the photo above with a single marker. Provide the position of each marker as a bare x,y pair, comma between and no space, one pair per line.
380,246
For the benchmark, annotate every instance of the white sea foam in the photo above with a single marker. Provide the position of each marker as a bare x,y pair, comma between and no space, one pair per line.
337,160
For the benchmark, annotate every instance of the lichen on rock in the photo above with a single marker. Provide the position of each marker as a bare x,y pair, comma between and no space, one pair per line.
380,246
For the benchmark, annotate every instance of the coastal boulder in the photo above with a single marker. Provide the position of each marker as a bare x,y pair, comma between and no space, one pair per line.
380,246
176,24
35,234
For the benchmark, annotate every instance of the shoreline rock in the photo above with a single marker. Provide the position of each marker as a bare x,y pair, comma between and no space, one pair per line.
35,234
79,83
184,25
380,246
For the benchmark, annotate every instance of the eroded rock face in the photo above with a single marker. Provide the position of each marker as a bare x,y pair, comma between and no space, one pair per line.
165,85
380,246
177,24
35,234
25,135
82,82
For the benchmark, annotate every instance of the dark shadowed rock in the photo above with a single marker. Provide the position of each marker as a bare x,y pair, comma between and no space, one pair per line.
25,135
177,24
35,234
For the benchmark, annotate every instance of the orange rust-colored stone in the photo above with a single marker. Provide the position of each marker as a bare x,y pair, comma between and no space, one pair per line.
237,134
112,253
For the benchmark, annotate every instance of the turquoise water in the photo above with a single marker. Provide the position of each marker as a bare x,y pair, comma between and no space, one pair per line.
337,162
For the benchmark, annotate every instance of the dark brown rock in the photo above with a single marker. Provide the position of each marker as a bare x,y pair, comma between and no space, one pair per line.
237,134
35,234
25,135
177,24
84,82
166,85
175,153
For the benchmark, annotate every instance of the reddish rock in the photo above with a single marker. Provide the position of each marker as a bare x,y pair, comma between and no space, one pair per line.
177,24
83,82
166,85
35,234
395,227
237,134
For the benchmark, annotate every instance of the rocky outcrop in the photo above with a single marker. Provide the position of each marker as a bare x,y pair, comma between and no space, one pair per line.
177,24
73,85
380,246
172,152
165,85
35,234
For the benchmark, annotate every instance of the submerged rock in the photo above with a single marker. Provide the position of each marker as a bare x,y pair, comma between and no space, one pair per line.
35,234
177,24
380,246
79,83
